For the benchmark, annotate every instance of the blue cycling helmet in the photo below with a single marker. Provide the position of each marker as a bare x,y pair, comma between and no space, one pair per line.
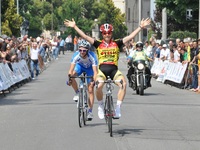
84,43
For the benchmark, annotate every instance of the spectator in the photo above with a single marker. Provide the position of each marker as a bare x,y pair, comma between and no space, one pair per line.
194,64
34,52
42,51
176,54
165,53
61,45
183,55
75,43
68,42
7,58
5,42
157,52
54,45
178,41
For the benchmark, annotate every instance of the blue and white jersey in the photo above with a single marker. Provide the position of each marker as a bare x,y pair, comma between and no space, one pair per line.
88,62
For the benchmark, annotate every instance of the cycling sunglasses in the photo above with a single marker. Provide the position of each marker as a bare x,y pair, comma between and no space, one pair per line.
104,33
80,50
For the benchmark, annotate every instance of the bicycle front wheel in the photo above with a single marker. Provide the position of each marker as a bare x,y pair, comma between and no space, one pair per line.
85,107
80,108
110,114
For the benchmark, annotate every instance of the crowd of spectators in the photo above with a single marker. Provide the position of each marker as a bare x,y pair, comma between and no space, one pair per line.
183,51
36,51
14,49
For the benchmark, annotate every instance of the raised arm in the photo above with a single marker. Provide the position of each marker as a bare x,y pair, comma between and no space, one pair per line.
142,25
72,24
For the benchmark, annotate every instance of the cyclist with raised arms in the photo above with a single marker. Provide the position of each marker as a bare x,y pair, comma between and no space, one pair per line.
108,54
84,60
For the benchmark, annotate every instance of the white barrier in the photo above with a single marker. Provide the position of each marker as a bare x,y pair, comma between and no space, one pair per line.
166,70
9,77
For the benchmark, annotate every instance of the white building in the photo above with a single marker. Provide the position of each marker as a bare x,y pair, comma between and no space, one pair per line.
134,14
120,4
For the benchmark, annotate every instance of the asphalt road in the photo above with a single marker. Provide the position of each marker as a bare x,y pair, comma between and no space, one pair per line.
41,115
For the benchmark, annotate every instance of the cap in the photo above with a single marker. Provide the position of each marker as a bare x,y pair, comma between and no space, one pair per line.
4,36
164,45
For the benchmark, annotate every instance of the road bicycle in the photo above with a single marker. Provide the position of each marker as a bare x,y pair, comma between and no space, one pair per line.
82,103
109,110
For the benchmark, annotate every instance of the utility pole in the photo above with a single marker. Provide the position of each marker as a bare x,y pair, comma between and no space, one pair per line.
18,7
164,24
140,18
52,17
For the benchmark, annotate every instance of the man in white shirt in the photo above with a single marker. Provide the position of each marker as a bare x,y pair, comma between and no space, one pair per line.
34,59
176,54
165,53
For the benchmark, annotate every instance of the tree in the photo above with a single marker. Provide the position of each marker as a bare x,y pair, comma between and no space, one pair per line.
106,12
50,15
11,21
86,11
176,12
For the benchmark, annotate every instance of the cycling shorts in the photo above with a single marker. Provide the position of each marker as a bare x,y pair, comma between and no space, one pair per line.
79,70
109,70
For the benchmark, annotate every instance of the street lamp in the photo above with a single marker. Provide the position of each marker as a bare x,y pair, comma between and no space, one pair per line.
95,30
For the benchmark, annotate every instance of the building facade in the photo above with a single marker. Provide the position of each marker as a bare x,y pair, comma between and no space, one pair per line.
120,4
134,14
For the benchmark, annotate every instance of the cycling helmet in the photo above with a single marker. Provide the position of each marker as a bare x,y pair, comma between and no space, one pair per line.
106,28
84,43
139,44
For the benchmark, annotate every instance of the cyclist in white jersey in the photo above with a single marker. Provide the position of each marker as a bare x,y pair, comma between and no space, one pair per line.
84,60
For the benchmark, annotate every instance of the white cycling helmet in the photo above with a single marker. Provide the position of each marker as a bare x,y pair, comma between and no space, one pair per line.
84,43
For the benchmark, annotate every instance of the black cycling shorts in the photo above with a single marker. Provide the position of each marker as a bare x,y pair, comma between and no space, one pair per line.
108,70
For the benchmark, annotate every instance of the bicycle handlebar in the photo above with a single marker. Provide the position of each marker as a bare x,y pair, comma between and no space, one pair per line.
81,77
109,81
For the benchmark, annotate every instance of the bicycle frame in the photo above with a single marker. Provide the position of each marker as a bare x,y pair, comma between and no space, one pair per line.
83,99
109,106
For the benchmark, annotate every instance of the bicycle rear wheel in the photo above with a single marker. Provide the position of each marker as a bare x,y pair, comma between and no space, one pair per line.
80,108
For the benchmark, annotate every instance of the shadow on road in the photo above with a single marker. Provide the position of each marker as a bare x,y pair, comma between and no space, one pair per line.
15,101
124,132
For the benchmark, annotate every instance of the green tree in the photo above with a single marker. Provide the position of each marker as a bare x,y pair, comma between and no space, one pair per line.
50,15
11,21
108,13
176,14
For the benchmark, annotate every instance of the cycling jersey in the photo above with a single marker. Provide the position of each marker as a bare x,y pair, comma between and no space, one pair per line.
108,53
87,62
138,55
84,65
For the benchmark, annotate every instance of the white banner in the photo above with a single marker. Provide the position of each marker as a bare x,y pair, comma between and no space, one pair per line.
166,70
9,77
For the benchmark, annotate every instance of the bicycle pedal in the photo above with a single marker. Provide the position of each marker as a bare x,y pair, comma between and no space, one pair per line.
109,115
89,119
115,117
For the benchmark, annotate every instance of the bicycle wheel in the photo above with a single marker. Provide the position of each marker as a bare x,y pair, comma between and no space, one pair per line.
110,115
85,107
80,108
106,110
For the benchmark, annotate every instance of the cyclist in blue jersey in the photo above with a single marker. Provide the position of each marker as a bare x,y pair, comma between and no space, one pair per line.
84,60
